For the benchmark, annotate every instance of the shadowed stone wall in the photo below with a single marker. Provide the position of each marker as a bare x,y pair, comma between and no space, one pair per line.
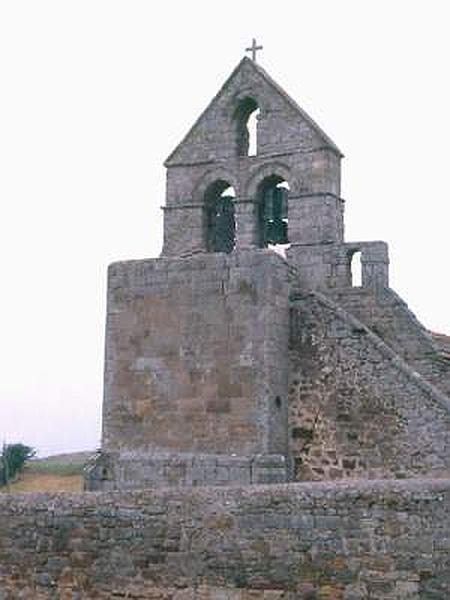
348,541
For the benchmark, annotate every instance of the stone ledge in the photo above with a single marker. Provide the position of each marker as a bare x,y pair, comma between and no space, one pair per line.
110,471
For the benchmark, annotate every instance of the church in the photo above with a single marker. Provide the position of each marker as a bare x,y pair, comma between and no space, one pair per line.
248,353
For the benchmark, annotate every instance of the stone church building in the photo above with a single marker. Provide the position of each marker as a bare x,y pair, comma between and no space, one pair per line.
246,353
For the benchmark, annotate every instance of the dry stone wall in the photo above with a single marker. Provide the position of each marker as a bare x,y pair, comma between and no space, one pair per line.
356,408
347,541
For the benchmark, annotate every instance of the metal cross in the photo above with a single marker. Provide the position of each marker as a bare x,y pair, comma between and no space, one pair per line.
253,49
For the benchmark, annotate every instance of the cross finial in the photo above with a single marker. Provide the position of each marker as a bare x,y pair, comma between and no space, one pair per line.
254,49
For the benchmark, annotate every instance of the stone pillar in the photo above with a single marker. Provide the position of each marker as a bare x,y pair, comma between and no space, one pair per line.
246,224
375,265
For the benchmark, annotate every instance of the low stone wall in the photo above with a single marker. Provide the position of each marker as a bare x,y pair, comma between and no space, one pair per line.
352,540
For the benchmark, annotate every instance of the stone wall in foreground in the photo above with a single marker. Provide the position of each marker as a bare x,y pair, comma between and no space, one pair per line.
352,540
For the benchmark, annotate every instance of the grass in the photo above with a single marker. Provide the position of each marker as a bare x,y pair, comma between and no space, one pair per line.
59,473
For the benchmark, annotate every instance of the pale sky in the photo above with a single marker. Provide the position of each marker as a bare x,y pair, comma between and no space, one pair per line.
94,95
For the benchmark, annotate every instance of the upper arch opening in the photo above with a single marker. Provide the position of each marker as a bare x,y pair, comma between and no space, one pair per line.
246,117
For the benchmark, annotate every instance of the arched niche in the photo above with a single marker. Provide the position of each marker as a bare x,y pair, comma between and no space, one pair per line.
219,220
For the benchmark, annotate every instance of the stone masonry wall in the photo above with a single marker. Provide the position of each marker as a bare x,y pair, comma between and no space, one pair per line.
327,266
356,408
192,355
348,541
136,471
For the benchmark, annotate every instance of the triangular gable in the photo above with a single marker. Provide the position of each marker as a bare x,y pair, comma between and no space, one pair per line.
244,64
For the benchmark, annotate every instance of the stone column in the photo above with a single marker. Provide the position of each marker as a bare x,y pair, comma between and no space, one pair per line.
246,224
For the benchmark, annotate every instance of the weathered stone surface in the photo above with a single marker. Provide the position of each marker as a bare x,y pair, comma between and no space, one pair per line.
191,354
378,539
134,470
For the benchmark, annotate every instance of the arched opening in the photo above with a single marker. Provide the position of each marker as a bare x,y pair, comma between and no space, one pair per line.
220,227
272,207
356,269
246,116
252,128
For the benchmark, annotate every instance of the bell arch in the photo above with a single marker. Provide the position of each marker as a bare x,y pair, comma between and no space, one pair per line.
272,211
218,217
211,176
269,189
266,170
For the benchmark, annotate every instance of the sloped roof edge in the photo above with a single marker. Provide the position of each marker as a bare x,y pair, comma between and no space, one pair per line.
235,70
277,88
295,106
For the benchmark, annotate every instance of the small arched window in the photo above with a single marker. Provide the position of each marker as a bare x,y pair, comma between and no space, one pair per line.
272,202
220,227
356,269
246,117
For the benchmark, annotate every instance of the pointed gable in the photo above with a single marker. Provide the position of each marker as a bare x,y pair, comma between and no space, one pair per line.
283,126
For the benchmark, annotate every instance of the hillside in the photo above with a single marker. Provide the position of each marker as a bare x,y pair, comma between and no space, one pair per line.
58,473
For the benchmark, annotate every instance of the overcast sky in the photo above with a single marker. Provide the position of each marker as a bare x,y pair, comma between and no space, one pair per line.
95,94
